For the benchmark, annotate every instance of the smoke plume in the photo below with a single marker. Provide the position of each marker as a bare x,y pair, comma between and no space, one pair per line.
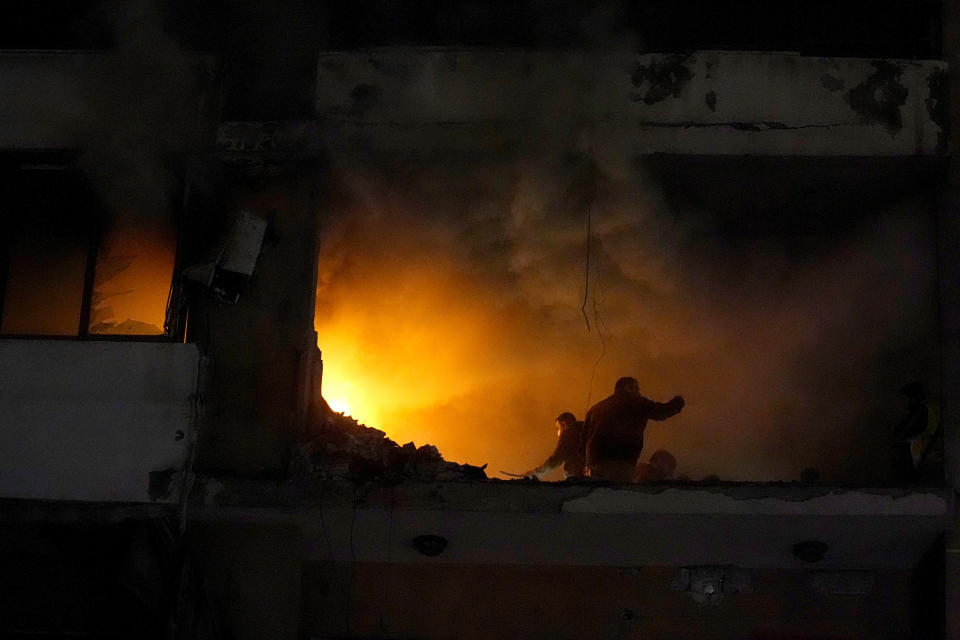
467,296
455,299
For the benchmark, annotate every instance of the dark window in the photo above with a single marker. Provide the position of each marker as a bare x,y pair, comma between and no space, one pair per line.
51,225
54,24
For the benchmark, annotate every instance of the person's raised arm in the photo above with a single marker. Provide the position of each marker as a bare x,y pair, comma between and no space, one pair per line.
664,410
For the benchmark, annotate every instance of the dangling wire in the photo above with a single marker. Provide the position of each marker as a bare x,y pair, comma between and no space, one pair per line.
597,320
586,278
599,323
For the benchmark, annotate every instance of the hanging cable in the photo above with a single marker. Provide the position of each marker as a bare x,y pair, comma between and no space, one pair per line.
586,278
599,324
597,320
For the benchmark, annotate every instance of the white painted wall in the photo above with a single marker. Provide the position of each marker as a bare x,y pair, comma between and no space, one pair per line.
90,420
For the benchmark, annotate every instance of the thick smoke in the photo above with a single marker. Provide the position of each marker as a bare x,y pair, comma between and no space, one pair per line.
144,113
134,112
459,305
465,328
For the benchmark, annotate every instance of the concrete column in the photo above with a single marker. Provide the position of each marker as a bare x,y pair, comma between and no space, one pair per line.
253,573
948,228
255,396
949,274
949,248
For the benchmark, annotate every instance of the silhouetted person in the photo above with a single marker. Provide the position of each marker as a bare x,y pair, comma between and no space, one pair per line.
569,451
660,468
614,430
907,434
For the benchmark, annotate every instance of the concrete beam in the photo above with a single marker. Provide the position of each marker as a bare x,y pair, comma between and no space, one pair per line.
585,524
71,99
725,103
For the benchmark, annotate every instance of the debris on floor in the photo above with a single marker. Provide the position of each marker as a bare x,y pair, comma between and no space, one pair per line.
339,446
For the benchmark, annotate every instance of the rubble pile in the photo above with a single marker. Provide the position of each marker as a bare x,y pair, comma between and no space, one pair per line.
339,446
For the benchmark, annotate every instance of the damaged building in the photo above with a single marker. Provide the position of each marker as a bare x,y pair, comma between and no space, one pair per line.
284,288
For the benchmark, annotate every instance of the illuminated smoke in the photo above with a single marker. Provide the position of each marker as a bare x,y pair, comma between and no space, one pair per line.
452,283
450,300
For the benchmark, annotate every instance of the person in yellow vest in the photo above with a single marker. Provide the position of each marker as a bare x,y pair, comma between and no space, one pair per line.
915,436
927,450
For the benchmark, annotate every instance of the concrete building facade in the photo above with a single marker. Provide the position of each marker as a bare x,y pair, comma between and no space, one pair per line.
161,474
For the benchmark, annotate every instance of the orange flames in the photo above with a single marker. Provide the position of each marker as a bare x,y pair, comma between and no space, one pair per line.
402,346
420,340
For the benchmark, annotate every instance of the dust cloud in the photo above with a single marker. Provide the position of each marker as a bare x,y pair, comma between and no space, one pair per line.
454,300
467,295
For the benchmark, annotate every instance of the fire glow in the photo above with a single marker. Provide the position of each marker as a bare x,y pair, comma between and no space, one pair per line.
391,353
463,329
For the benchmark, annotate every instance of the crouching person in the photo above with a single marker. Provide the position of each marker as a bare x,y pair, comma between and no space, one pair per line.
569,450
660,468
